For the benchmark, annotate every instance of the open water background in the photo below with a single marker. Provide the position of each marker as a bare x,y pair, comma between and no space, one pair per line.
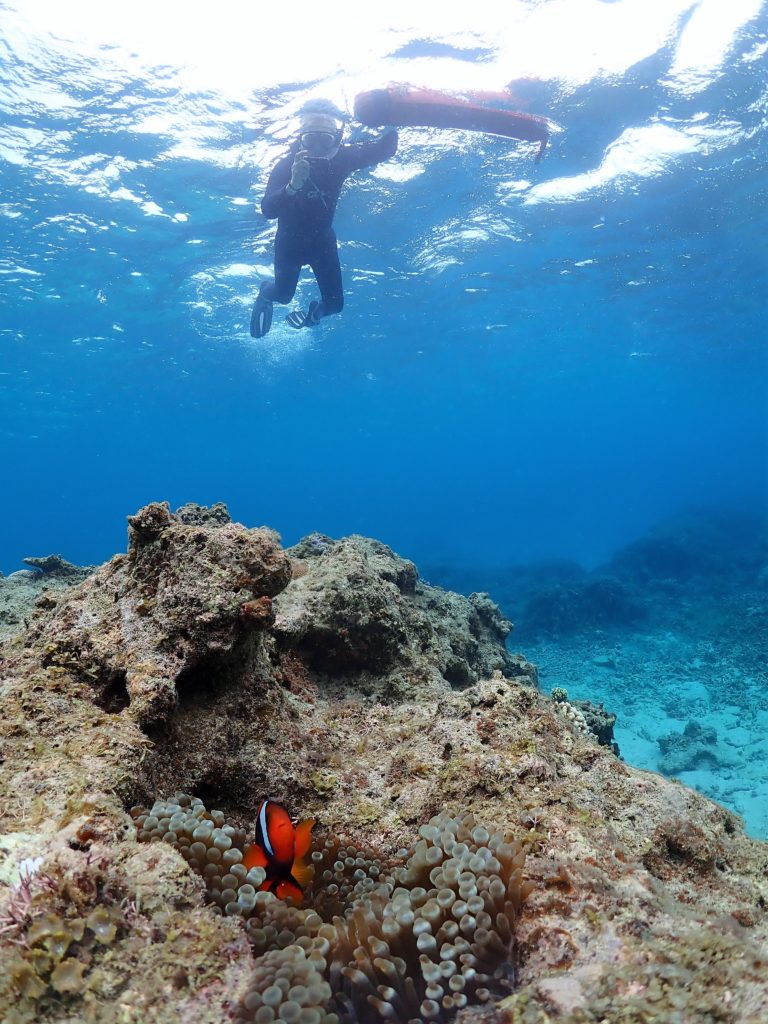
534,361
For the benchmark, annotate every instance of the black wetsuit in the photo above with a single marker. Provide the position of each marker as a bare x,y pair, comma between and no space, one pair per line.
305,232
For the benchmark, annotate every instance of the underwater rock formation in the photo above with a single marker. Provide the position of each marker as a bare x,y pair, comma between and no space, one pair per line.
696,747
696,543
600,722
55,565
203,515
195,663
181,594
357,611
19,591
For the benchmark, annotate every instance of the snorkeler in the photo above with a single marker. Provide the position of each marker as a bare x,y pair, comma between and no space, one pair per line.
302,193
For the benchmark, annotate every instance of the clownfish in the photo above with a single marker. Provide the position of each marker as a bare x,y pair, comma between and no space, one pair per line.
280,849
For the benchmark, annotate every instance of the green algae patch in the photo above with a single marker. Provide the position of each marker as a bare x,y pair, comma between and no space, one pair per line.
85,934
323,783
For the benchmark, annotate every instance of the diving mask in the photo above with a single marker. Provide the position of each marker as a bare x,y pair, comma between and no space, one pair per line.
320,145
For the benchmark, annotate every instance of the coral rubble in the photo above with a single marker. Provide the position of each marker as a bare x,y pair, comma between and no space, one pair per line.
209,661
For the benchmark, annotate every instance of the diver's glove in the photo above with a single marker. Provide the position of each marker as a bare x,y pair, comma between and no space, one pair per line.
298,318
299,172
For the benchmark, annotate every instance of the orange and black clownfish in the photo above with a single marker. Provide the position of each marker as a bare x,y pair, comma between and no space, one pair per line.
280,849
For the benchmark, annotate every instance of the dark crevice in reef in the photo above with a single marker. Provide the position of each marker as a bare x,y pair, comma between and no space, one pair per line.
112,693
217,794
206,683
457,673
223,785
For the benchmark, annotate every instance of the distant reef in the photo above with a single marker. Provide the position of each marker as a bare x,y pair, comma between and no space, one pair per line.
704,554
478,855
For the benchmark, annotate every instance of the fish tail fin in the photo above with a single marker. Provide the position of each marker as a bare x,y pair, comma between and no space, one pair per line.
303,838
302,873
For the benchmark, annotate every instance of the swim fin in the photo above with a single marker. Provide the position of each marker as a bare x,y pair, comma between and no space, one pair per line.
298,318
261,317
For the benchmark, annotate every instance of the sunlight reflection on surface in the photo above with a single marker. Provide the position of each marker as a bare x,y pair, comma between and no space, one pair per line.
243,46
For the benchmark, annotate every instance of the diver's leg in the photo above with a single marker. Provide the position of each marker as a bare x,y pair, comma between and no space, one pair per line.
327,270
324,261
288,264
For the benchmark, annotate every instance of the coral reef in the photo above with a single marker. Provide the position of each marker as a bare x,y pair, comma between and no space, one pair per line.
695,747
600,722
587,717
114,934
195,664
593,602
573,715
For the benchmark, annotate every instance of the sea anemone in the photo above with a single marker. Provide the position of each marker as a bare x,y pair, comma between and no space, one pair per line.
413,941
209,845
287,985
439,934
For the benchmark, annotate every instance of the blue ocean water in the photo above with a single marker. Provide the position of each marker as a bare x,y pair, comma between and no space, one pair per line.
535,362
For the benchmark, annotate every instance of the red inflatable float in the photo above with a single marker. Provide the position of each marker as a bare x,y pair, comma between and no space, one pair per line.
404,106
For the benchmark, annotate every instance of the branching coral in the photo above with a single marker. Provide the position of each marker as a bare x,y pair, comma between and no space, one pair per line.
574,716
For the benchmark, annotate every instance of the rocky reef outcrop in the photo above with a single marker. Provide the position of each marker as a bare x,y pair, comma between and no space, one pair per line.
698,543
713,557
21,589
209,661
181,595
694,748
593,602
359,613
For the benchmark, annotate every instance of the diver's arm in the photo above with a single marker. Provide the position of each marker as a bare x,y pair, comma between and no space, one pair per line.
366,154
276,197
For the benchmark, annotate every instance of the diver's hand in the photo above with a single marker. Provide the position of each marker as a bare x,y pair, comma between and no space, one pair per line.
300,170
